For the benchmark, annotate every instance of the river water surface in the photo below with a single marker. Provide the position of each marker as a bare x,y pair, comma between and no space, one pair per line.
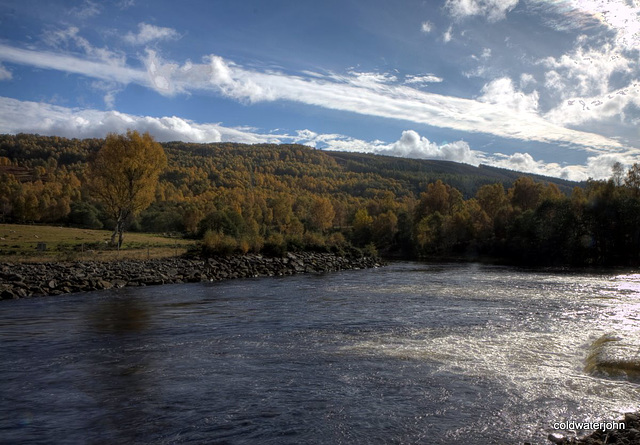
409,353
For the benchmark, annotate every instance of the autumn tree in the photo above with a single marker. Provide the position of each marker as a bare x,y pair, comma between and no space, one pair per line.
633,179
617,174
525,194
321,214
492,198
124,175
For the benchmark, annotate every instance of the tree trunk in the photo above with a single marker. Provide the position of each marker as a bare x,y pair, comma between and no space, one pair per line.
119,230
120,236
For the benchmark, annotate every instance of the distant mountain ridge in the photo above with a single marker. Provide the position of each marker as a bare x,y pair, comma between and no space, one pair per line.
465,177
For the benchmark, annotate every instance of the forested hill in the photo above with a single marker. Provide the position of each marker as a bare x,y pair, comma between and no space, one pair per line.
464,177
273,198
361,171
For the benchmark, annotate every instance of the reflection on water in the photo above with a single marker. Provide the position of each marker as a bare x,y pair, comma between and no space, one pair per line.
116,379
409,353
119,316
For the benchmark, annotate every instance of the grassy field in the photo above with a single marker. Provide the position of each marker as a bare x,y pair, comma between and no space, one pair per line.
20,243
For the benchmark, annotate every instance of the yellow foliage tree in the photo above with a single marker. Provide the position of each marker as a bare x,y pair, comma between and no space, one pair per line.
124,176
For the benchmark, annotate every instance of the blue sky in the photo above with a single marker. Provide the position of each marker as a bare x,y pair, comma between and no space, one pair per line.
542,86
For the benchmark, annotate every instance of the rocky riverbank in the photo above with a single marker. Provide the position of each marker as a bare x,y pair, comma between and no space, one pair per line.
630,435
40,279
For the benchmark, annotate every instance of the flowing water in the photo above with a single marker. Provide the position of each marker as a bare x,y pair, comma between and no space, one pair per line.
409,353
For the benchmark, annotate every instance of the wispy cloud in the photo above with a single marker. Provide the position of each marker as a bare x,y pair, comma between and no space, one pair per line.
5,74
72,64
427,78
86,10
69,38
359,93
494,10
150,33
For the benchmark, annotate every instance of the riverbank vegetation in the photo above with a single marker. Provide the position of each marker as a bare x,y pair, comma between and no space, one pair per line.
37,242
267,198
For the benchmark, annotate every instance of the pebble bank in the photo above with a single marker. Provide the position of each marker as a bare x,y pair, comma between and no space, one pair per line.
24,280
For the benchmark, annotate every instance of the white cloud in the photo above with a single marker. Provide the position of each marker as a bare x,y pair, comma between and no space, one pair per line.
585,71
427,78
367,79
70,38
621,16
126,4
426,27
149,33
448,35
365,95
412,145
494,10
71,64
502,92
580,110
87,10
46,119
32,117
526,79
5,74
601,167
524,162
110,89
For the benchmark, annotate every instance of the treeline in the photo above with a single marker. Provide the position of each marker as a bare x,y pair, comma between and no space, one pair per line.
273,198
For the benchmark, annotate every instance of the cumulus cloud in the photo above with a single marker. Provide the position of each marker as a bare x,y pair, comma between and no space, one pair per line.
601,167
585,71
412,145
32,117
493,10
502,92
150,33
524,162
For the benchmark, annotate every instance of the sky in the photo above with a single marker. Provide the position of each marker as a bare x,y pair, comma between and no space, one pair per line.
543,86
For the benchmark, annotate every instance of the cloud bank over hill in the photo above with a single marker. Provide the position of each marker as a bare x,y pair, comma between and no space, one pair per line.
31,117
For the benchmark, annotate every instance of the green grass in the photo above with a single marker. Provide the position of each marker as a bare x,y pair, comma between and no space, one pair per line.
20,243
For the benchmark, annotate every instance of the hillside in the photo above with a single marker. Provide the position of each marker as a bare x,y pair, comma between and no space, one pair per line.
272,198
403,176
416,173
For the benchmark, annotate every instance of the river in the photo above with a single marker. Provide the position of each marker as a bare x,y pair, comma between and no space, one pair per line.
408,353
